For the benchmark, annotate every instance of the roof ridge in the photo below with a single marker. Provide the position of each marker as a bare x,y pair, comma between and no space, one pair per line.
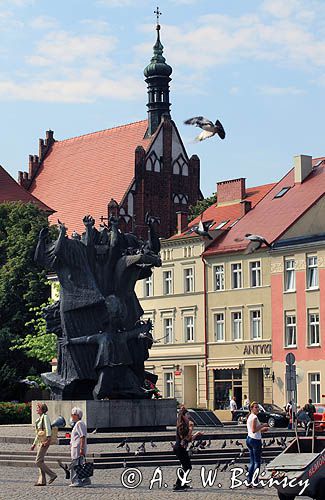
99,131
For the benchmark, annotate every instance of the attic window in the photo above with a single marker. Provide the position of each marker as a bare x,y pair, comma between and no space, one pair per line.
223,223
235,222
282,192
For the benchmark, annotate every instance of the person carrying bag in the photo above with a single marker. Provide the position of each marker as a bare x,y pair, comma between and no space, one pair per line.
80,469
42,441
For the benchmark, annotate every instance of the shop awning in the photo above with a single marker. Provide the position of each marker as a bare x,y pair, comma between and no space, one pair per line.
223,366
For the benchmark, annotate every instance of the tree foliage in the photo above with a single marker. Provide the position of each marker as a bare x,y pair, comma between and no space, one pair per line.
38,344
200,206
23,284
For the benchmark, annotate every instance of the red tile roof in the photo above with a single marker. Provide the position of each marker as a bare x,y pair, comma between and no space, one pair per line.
273,216
82,174
10,190
230,213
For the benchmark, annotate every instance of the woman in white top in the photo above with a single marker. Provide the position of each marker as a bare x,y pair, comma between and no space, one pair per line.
78,445
254,443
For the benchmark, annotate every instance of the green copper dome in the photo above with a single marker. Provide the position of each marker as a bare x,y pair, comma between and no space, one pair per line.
157,65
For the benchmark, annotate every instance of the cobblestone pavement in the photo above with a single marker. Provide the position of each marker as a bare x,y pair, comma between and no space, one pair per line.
17,483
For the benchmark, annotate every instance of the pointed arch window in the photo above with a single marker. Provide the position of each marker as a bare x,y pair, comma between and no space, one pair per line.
153,162
181,199
180,166
130,204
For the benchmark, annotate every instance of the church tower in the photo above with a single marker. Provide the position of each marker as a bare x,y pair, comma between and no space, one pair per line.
157,75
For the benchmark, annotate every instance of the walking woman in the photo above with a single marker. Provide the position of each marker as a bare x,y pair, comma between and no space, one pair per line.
42,441
184,435
78,444
254,443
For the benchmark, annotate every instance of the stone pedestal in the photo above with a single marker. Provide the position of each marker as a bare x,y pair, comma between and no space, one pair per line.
116,414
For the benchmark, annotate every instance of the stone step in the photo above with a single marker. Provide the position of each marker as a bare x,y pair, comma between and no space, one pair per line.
145,460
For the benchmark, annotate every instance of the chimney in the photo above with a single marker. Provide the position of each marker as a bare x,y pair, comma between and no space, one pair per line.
303,167
49,134
182,222
247,206
230,191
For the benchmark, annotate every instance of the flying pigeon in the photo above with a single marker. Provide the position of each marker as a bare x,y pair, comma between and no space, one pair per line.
203,230
224,444
209,129
32,383
255,242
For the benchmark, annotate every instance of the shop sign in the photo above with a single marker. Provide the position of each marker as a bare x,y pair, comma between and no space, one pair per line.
177,373
257,349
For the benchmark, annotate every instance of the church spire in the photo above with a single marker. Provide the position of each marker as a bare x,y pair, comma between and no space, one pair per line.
157,75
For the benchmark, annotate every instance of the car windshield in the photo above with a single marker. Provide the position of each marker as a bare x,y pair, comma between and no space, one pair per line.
272,408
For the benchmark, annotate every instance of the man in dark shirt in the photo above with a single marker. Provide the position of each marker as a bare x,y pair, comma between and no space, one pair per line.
310,409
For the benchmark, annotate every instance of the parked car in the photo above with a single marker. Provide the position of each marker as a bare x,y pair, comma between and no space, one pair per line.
271,414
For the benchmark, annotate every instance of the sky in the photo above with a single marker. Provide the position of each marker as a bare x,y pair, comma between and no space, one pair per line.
76,66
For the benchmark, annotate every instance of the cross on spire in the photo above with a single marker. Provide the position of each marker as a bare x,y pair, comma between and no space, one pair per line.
158,14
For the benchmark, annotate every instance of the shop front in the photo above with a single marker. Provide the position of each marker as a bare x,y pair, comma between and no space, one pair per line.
246,373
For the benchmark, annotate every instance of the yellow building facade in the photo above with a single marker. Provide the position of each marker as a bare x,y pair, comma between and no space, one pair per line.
173,298
238,302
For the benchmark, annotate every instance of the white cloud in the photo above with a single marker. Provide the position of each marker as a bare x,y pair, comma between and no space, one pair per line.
279,91
43,22
279,36
62,48
95,24
234,90
115,3
72,91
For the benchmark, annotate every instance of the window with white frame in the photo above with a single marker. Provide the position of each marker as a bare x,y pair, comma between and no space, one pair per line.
168,330
148,287
313,328
312,271
219,277
290,330
189,280
168,282
255,273
189,328
236,325
169,384
219,327
256,324
314,387
289,274
236,275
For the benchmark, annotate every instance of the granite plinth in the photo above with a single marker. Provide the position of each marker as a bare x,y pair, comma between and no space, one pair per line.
117,413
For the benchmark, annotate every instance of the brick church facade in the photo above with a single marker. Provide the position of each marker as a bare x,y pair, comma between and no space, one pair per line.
127,170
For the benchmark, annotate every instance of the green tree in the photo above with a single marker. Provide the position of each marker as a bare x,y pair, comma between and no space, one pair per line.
200,206
39,344
23,284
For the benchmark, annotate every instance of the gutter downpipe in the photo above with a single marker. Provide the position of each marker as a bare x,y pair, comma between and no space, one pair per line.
205,330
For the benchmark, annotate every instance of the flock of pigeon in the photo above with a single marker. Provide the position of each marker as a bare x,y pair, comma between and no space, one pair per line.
201,444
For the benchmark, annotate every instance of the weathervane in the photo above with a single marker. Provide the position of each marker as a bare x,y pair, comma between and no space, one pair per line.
158,14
